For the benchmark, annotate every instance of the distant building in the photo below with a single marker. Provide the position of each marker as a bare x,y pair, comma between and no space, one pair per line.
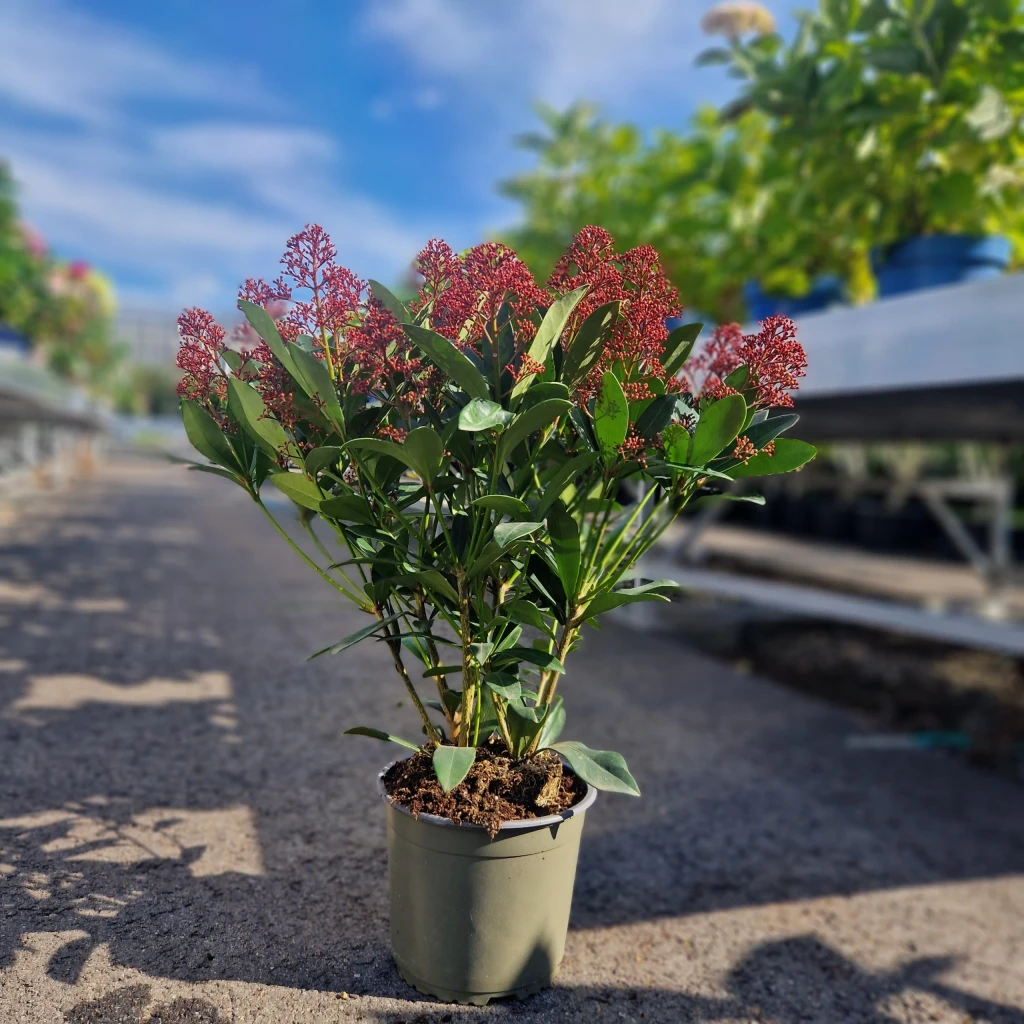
151,335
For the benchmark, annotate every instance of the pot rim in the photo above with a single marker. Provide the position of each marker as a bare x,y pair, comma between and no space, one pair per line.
519,825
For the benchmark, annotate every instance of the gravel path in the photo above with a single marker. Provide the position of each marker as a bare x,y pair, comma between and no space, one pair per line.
184,837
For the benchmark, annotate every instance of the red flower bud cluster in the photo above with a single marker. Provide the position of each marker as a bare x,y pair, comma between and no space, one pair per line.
775,358
465,293
202,342
647,297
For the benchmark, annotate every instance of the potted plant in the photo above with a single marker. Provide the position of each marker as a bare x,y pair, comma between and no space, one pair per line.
902,122
466,453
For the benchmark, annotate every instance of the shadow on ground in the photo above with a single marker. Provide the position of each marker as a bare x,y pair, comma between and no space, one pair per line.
788,982
173,785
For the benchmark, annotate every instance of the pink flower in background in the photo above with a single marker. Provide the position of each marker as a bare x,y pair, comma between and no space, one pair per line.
34,242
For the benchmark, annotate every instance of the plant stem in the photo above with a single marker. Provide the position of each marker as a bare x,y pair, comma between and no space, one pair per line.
470,673
395,646
309,561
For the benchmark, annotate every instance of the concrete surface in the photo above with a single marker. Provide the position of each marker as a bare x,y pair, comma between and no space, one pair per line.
185,836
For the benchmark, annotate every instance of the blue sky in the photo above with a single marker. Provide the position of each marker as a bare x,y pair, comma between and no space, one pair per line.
178,144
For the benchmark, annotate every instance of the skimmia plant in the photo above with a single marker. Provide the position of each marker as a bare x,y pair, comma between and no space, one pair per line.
471,454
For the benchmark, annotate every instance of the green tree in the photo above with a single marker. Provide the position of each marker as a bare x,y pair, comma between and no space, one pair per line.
698,198
904,115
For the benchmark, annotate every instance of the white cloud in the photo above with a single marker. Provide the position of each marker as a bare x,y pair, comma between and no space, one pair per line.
202,203
59,61
556,50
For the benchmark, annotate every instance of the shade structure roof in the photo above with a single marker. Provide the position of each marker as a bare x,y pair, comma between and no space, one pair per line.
937,365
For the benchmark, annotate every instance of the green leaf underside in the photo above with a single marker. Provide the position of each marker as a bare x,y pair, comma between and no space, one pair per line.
611,415
508,533
205,436
452,765
602,769
377,734
246,405
295,486
483,414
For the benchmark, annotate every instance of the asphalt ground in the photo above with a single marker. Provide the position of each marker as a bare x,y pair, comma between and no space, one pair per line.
185,836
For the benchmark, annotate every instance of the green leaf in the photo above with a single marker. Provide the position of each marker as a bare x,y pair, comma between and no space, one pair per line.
554,723
491,553
504,685
506,534
676,439
602,769
381,447
713,55
611,415
542,391
389,301
769,429
655,418
704,499
302,491
246,405
365,730
215,470
991,117
483,414
583,352
205,436
435,580
447,357
718,426
629,595
354,638
789,454
563,477
347,508
529,614
263,324
550,330
542,659
510,639
452,765
322,458
678,347
503,503
314,378
537,417
565,545
425,452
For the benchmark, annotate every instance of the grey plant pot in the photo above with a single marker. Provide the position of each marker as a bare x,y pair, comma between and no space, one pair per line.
472,918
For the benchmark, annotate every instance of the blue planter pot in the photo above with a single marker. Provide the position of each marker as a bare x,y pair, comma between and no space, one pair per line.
936,260
827,291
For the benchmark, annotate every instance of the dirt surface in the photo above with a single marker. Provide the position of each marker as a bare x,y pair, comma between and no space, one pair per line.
969,702
186,836
498,788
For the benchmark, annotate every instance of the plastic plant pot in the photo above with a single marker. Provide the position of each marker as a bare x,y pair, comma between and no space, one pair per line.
826,291
934,261
472,918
